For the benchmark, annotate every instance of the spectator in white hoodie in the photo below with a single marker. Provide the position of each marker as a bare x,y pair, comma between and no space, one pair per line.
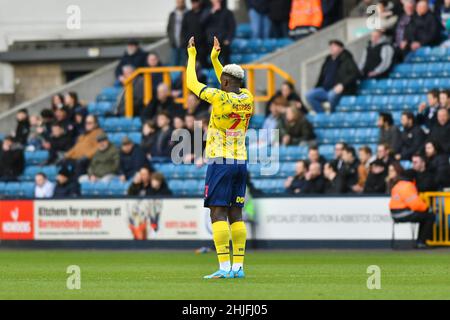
43,187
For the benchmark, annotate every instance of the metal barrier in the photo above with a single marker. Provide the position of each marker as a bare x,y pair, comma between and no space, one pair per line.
147,73
439,202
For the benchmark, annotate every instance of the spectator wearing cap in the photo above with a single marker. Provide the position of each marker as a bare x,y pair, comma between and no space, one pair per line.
192,27
377,59
220,22
132,158
424,177
407,206
22,127
426,115
11,159
412,137
389,133
58,143
376,179
174,33
440,132
133,55
258,11
338,76
104,165
424,28
66,186
43,187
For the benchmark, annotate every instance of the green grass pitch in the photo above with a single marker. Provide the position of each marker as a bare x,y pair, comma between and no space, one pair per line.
322,274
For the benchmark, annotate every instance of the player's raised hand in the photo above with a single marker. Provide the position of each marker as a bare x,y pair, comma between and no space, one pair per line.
216,44
191,42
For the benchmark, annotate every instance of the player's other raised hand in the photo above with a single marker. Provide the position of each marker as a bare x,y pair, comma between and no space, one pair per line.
216,44
191,42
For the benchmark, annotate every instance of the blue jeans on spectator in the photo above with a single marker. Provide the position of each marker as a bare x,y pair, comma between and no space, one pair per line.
260,24
319,95
178,56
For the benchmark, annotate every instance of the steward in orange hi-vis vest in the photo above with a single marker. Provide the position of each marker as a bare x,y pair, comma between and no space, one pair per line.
306,13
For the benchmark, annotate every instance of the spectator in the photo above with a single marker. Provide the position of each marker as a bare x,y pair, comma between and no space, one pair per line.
43,187
305,18
72,103
162,146
57,144
79,123
365,158
279,11
192,128
440,132
376,180
196,107
149,130
138,92
192,27
153,61
332,12
133,55
361,9
427,113
384,153
295,184
175,35
338,149
258,11
141,185
159,185
412,137
287,92
57,101
315,157
395,171
334,183
295,128
443,12
400,42
444,99
66,186
338,76
62,117
424,178
349,170
12,160
22,127
48,117
424,28
132,158
162,102
36,137
220,22
377,59
274,120
105,162
315,183
389,133
437,163
407,206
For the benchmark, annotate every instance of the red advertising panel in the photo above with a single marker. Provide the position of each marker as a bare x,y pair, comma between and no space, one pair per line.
16,220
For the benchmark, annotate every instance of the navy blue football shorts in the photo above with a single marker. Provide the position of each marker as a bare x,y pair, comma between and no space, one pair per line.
225,183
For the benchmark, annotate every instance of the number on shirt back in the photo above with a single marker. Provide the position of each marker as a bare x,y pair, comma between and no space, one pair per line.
238,120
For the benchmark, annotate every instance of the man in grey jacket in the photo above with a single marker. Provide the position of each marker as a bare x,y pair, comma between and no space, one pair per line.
377,59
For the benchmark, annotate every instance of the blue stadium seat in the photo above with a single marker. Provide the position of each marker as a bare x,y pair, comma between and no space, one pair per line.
109,94
243,30
36,157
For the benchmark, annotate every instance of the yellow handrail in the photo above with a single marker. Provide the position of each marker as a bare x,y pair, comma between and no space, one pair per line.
271,70
440,205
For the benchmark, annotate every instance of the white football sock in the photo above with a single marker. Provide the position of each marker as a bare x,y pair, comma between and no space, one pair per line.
237,266
226,266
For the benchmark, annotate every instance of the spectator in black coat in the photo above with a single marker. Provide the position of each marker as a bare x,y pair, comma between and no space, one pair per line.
132,158
62,117
159,185
314,156
259,20
389,133
23,127
338,76
376,180
134,56
438,164
413,137
426,115
440,132
162,146
149,130
192,27
424,177
162,102
315,183
66,186
295,184
279,11
220,22
154,61
424,28
141,185
138,92
58,143
349,170
334,182
399,30
12,160
377,59
175,35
